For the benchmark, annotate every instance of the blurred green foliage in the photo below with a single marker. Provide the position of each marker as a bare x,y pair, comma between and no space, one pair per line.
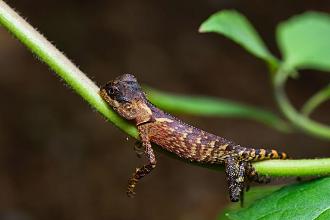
207,106
236,27
304,41
302,201
251,196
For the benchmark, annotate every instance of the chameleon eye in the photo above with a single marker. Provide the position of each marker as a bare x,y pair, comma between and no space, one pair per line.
111,91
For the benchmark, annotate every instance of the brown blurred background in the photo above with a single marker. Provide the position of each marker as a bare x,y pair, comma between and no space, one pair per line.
59,159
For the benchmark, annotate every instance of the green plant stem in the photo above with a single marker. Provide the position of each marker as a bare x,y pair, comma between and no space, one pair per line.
79,82
316,100
300,121
306,167
207,106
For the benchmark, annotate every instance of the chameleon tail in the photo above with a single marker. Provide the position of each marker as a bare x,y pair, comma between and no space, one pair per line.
264,154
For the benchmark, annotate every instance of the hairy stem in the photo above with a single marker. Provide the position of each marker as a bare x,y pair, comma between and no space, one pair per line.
60,64
87,89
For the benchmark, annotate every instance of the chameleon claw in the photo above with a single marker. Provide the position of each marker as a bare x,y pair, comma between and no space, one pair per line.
131,186
130,194
139,149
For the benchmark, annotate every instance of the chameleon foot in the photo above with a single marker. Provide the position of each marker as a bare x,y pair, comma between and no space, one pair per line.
131,185
139,173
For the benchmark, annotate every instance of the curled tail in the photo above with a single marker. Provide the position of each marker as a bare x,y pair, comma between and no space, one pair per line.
264,154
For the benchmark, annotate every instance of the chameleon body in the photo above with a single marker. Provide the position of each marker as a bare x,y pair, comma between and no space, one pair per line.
125,96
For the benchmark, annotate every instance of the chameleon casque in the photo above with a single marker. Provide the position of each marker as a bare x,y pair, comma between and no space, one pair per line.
126,97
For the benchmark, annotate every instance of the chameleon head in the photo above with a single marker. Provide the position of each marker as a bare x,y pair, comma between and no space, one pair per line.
125,96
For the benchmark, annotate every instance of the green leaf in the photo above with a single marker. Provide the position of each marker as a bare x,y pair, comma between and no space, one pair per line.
207,106
249,197
308,200
304,41
236,27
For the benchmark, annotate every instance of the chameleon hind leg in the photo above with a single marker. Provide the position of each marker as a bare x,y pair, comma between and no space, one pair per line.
236,177
253,176
248,174
145,169
239,175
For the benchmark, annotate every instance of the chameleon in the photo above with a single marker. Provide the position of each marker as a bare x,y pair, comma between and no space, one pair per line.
125,96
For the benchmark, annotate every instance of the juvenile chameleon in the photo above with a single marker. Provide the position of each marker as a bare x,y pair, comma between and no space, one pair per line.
126,97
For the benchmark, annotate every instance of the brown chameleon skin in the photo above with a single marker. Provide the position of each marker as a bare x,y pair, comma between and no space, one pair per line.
125,96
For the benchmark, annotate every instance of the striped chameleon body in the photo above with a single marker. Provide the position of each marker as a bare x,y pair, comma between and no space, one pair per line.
125,96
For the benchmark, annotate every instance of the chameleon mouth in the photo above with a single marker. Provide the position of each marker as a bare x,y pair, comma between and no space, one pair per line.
113,103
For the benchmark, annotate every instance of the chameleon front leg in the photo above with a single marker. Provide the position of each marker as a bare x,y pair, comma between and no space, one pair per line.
146,169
